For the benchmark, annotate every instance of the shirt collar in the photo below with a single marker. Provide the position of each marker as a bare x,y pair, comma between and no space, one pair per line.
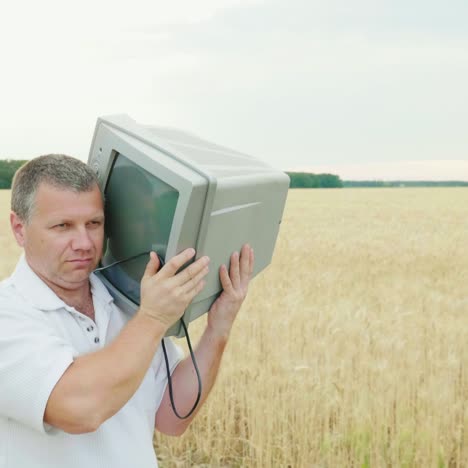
99,290
35,291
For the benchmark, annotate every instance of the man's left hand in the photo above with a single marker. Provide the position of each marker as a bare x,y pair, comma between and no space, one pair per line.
235,285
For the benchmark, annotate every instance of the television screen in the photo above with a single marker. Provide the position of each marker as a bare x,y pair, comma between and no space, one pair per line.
139,213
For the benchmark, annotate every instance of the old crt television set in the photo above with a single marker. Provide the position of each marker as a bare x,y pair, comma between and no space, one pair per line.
167,190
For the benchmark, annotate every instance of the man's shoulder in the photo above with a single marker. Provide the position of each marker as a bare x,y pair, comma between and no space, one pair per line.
6,288
12,301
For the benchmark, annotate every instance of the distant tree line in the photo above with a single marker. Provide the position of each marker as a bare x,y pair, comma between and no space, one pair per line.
309,180
8,167
404,183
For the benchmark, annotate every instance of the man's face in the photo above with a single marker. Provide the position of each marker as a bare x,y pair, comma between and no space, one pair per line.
63,240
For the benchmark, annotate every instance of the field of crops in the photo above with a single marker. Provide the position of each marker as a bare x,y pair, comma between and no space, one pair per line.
352,347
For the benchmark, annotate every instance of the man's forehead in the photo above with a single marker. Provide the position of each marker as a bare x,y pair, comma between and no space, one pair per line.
50,198
47,187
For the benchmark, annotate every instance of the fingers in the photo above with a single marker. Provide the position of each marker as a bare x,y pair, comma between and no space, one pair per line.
193,287
196,289
238,275
194,282
176,262
189,277
234,270
240,270
152,266
193,270
245,263
252,261
225,280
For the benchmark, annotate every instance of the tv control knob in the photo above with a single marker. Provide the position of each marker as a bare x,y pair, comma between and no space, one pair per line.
95,167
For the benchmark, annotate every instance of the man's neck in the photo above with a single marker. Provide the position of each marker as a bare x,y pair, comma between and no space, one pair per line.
80,298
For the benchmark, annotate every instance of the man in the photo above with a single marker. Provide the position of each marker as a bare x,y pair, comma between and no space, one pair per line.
82,384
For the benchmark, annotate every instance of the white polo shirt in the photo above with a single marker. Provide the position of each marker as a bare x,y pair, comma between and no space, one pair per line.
40,336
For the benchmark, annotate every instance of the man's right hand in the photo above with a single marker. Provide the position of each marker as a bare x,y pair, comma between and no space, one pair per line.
165,294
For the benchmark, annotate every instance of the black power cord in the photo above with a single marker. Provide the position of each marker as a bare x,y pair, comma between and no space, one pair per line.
169,378
161,261
192,355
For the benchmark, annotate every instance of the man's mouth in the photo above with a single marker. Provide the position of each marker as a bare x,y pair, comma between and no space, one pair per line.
81,261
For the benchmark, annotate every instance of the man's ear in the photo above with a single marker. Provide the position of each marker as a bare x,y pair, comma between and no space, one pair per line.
17,226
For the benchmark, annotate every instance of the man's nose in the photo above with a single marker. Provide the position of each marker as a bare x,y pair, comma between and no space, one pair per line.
82,239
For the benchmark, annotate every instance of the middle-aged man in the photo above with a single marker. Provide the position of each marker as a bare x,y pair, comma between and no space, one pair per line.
83,385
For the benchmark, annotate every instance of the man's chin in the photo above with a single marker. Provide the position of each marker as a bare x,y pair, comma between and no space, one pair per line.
76,278
79,273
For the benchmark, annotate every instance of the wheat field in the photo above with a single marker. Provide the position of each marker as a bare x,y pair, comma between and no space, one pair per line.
352,347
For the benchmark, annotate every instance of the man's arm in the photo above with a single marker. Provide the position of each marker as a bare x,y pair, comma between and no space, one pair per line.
97,385
210,348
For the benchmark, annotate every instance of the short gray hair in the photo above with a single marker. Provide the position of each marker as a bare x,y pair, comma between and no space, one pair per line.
58,170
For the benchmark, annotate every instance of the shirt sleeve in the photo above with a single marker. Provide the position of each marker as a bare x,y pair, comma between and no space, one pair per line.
33,359
174,356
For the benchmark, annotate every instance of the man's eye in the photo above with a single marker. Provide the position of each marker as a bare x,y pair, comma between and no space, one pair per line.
61,226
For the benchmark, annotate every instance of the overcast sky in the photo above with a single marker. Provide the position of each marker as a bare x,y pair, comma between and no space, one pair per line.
371,85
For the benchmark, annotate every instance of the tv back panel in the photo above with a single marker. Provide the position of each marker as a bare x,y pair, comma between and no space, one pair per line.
168,190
